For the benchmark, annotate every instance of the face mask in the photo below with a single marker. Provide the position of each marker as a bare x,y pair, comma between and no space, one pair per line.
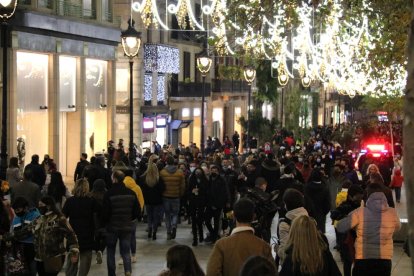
42,210
300,159
21,214
192,169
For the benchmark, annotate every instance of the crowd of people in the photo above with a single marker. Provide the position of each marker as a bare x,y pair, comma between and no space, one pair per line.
230,200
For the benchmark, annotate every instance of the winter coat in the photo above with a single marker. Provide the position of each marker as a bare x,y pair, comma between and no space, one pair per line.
152,195
81,212
397,180
230,253
270,170
38,173
132,185
80,168
174,182
230,178
13,176
120,209
375,225
27,189
50,232
335,186
19,223
217,192
318,193
200,198
284,229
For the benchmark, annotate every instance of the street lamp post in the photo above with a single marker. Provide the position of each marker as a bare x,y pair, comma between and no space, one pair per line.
131,42
7,9
204,64
249,76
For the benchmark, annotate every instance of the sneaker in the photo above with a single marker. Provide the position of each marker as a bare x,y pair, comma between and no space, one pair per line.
99,257
174,233
128,273
133,259
121,262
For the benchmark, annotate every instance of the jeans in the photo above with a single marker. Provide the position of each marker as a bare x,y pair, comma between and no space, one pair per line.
153,216
214,214
172,209
134,240
125,248
397,193
372,267
84,263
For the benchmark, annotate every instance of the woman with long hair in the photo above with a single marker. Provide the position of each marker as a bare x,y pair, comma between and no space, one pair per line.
181,261
197,200
81,210
307,251
152,187
57,189
50,232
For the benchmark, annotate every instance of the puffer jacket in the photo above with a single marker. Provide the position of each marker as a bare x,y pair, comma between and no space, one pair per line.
174,182
375,225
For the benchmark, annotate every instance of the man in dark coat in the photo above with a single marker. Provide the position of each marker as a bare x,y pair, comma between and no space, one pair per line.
217,200
38,172
81,166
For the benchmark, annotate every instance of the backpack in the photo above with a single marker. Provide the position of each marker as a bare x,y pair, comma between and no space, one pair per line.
289,222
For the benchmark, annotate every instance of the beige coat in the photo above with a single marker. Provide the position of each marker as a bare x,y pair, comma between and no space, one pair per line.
230,253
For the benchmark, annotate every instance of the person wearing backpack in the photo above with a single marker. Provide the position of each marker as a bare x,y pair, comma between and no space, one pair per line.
294,203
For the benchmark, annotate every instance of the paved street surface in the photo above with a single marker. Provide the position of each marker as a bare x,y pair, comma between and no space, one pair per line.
151,254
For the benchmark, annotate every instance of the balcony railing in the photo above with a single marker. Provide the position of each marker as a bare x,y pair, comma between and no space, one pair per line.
229,86
192,89
71,9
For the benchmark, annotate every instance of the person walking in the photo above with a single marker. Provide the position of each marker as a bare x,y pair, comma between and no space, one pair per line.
307,251
38,172
197,198
27,189
13,173
50,232
152,187
230,253
57,189
81,166
174,189
375,225
120,211
81,211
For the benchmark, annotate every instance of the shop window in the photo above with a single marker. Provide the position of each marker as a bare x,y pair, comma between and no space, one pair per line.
32,98
67,83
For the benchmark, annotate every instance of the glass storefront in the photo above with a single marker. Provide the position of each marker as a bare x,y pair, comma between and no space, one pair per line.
96,106
68,122
31,102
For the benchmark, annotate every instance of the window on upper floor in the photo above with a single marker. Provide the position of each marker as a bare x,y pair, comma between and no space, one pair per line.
48,4
187,68
89,9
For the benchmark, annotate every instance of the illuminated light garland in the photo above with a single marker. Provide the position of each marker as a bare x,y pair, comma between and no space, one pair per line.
161,88
337,58
161,59
148,87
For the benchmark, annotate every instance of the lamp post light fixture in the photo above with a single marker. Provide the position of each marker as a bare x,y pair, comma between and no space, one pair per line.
203,64
131,42
7,10
249,76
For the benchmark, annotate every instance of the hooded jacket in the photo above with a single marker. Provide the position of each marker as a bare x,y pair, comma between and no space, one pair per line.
174,182
375,225
132,185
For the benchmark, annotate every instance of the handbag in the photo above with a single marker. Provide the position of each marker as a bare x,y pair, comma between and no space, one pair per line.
53,264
